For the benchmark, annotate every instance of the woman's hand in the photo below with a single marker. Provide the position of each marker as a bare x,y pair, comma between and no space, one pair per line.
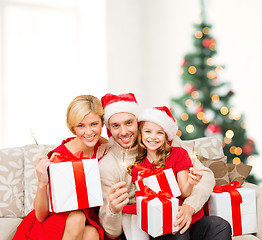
102,150
194,176
42,164
41,200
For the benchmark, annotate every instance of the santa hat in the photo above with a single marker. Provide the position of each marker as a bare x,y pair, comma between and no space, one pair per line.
113,104
163,117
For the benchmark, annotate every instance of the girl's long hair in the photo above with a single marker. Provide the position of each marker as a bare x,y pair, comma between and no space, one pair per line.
163,152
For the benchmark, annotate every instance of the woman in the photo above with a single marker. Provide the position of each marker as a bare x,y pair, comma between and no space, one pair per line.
84,119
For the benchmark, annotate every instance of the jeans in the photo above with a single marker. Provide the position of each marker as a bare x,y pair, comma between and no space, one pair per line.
170,236
210,228
207,228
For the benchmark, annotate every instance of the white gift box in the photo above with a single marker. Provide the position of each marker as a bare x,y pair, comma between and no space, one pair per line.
152,182
155,216
63,194
219,204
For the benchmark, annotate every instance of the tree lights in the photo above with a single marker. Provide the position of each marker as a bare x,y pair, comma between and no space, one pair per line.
205,108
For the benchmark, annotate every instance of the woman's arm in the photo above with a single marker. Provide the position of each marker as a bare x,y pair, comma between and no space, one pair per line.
103,140
41,204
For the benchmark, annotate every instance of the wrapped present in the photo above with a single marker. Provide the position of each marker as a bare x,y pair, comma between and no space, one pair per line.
74,183
158,179
235,204
156,212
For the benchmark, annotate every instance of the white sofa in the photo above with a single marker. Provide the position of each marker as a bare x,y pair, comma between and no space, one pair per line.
18,182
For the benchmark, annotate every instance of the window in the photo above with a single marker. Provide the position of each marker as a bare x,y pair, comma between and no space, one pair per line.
51,51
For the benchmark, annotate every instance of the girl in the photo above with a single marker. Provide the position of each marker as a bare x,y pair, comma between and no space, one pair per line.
84,119
156,131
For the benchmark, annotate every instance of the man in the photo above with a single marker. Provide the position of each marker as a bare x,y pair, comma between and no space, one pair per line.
120,118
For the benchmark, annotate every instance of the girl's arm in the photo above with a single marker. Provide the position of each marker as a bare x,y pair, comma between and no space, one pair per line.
41,204
186,180
185,187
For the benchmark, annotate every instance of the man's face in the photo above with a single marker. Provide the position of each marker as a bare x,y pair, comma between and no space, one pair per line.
124,129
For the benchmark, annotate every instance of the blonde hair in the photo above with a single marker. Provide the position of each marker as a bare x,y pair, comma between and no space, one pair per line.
80,107
163,152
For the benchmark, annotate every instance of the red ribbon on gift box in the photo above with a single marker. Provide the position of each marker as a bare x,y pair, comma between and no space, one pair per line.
164,197
160,175
236,200
79,176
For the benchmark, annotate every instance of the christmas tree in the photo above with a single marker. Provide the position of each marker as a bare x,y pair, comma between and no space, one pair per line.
204,109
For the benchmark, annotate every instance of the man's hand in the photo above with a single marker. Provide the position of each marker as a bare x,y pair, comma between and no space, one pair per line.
118,197
184,217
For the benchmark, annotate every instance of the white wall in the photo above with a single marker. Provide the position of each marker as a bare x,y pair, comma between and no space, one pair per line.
51,51
148,39
144,42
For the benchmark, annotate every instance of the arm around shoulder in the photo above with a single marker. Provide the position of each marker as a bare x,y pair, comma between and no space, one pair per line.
201,192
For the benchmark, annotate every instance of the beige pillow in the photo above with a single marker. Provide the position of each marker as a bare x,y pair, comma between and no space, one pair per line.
238,172
11,182
218,167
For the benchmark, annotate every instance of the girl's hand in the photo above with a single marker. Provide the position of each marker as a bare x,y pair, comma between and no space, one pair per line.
194,176
102,150
42,163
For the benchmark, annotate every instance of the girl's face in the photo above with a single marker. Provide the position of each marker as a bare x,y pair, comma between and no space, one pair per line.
153,136
89,129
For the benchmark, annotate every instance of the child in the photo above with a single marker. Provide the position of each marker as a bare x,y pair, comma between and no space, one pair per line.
84,119
156,131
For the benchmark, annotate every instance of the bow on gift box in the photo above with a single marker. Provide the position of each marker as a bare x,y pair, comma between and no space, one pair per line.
236,200
78,156
160,175
145,172
164,197
79,176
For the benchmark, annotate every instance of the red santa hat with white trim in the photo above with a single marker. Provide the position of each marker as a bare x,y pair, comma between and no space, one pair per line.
113,104
163,117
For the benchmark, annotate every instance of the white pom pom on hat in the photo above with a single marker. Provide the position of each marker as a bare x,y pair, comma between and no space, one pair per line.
163,117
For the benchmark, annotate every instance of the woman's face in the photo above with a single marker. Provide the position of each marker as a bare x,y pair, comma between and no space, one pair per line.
89,129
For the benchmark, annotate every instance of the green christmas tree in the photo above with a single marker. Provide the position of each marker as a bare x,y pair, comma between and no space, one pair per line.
204,109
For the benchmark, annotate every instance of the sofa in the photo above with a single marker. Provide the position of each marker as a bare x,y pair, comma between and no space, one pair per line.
18,181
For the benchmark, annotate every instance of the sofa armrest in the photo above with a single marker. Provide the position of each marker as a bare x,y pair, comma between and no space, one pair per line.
259,206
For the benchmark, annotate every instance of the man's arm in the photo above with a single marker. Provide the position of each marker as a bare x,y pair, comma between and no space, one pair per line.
201,192
115,197
197,199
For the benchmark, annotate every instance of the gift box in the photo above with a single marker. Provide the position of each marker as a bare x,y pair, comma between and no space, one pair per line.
235,204
156,214
159,179
74,185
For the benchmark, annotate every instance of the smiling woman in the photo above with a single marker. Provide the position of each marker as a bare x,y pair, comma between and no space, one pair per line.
84,118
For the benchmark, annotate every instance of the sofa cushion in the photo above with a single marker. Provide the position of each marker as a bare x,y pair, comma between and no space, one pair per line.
209,147
238,172
31,152
11,182
218,167
8,227
245,237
